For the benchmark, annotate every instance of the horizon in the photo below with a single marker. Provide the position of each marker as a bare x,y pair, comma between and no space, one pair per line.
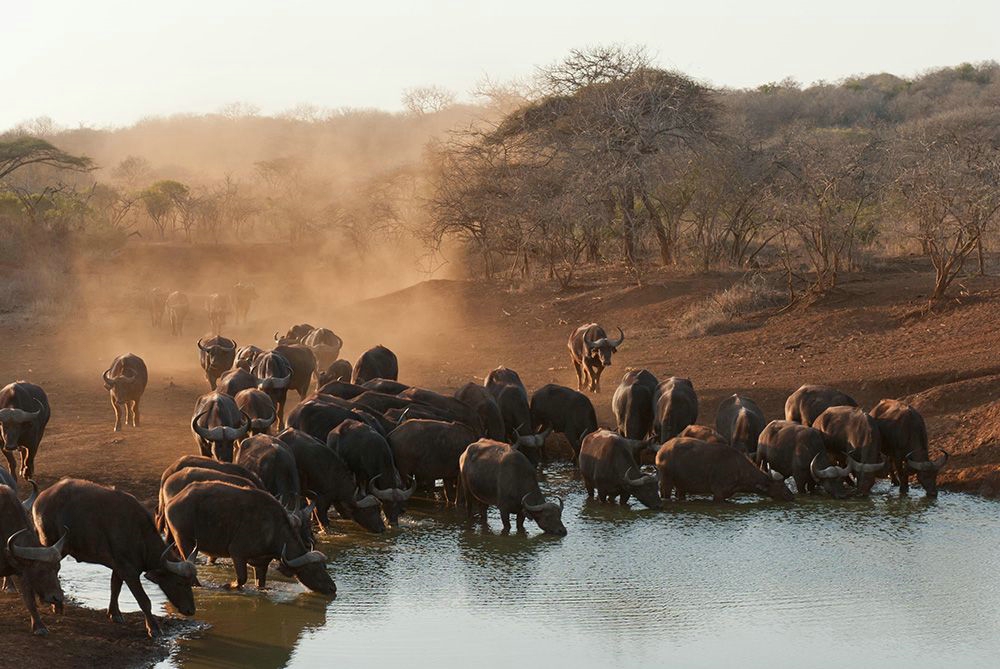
196,63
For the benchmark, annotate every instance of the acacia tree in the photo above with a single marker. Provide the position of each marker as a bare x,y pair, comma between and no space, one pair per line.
164,201
948,184
18,151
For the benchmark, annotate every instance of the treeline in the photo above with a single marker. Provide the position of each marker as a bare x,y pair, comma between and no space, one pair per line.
601,158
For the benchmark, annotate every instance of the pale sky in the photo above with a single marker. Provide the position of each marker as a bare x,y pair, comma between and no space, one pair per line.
108,62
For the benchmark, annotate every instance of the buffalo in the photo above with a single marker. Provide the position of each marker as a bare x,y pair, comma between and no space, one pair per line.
274,465
338,370
739,420
809,401
200,462
496,474
320,414
694,466
126,380
111,528
258,407
243,295
274,375
246,356
217,424
427,450
325,346
704,433
480,400
388,386
303,365
172,485
345,390
178,306
795,450
564,410
24,413
855,436
218,311
294,335
236,380
376,363
591,350
157,302
511,397
608,464
634,404
676,407
904,443
217,355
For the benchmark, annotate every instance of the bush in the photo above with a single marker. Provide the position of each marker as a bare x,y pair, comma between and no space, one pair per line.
726,310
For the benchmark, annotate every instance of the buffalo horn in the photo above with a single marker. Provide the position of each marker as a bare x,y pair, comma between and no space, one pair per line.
302,560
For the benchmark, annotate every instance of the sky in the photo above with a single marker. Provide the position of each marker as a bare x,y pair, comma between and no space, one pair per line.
110,63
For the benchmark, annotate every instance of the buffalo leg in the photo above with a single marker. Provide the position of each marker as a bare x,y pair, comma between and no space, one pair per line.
579,375
903,476
240,565
520,521
624,499
28,596
135,413
450,492
118,415
10,462
666,487
27,464
341,509
483,508
115,613
505,519
260,573
135,587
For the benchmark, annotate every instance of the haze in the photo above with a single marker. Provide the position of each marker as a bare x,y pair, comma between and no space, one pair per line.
112,62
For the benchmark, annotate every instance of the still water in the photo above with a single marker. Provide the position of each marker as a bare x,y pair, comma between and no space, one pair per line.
820,583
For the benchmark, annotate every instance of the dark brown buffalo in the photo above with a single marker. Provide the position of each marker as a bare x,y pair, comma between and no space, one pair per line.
181,478
217,355
218,311
243,295
246,356
739,420
111,528
676,407
500,377
904,443
327,480
854,435
694,466
126,380
295,334
564,410
248,526
338,370
376,363
481,401
274,464
303,364
608,465
217,424
428,450
178,306
450,407
259,408
704,433
634,404
495,474
34,568
387,386
512,397
356,410
325,346
200,462
274,376
157,302
795,450
809,401
24,413
236,380
591,350
321,413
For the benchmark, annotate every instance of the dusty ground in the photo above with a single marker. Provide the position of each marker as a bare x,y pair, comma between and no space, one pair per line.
873,339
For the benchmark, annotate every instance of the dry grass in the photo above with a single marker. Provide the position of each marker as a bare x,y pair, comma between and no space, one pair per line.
730,310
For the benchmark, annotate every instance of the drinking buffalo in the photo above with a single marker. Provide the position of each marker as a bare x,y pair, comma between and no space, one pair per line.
217,424
274,465
338,370
218,310
34,568
180,479
246,356
157,302
798,451
608,465
258,407
200,462
111,528
739,420
676,407
634,405
694,466
24,413
495,474
243,296
854,434
809,401
376,363
126,381
427,450
369,456
327,479
248,526
904,443
178,306
590,350
274,375
563,410
236,380
217,355
481,401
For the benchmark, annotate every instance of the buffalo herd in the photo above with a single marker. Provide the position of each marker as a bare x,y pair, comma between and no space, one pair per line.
363,443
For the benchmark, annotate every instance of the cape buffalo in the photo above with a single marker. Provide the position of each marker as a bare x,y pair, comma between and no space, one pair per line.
320,414
695,466
427,450
217,424
218,311
338,370
904,443
704,433
376,363
236,380
795,450
450,407
246,355
590,350
739,420
512,397
24,413
327,480
248,526
676,407
343,389
33,567
303,364
157,302
809,401
369,456
325,346
178,306
217,355
200,462
126,381
295,334
111,528
633,404
854,434
564,410
388,386
274,375
495,474
181,478
608,465
500,377
258,407
243,295
274,465
481,401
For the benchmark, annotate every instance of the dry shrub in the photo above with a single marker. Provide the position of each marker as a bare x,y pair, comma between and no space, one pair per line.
728,310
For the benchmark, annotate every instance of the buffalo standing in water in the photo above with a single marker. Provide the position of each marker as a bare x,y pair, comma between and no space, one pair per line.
693,466
634,404
676,407
608,464
739,420
807,403
904,443
855,435
591,350
800,452
126,380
